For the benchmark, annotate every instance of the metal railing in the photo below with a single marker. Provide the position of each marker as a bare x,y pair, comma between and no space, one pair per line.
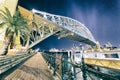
7,62
67,70
62,68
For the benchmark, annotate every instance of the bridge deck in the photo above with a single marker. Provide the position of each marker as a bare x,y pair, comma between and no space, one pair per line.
33,69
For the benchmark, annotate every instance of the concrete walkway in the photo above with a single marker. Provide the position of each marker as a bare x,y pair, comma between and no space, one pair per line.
33,69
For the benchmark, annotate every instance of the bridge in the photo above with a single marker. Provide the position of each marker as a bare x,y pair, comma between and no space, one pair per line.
43,25
46,24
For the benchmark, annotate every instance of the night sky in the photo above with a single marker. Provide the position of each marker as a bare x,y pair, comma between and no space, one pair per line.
101,17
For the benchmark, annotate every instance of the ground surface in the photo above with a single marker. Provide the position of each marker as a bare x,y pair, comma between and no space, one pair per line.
33,69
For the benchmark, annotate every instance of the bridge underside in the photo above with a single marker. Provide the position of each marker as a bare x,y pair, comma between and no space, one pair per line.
73,36
43,26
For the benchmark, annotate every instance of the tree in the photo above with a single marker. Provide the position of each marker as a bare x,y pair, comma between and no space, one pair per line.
13,25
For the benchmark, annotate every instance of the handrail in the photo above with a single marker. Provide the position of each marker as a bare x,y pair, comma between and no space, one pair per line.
64,60
51,60
7,63
66,70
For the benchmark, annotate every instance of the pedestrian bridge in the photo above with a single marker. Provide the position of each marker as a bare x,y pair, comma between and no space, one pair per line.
44,24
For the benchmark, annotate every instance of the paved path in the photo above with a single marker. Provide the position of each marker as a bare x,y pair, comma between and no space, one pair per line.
33,69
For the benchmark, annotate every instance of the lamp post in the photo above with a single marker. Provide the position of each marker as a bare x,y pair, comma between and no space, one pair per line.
83,66
73,61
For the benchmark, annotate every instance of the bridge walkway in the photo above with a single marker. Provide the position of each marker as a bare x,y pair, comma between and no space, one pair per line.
33,69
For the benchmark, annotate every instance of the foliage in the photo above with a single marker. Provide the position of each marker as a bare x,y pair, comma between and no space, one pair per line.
14,23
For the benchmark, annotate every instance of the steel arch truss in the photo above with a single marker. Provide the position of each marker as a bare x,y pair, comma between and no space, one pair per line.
70,25
43,25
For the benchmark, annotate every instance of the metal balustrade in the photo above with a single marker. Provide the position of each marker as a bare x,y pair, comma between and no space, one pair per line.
66,70
7,62
60,66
